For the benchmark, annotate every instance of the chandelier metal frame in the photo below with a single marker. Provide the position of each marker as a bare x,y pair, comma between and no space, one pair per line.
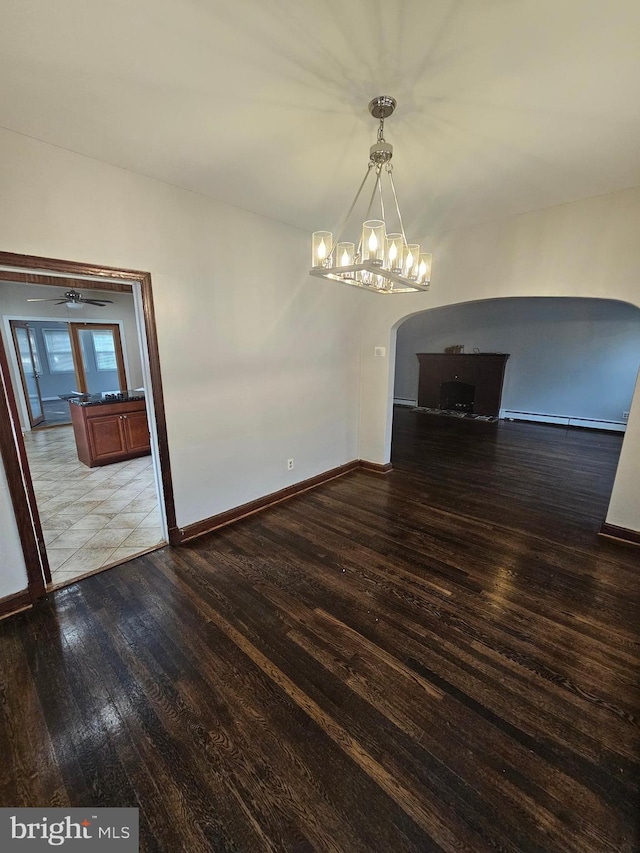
356,267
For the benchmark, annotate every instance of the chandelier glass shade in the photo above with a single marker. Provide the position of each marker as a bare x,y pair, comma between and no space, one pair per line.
382,260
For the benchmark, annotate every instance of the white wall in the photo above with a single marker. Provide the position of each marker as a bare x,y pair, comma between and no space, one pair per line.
13,303
568,357
13,574
625,501
588,248
259,361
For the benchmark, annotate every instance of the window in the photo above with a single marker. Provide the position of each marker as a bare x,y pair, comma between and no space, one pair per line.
105,349
57,344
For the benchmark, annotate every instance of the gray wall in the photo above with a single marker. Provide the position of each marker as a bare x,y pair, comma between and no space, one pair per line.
568,357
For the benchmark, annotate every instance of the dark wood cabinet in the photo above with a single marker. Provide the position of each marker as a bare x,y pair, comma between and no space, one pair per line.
104,437
136,432
110,432
482,375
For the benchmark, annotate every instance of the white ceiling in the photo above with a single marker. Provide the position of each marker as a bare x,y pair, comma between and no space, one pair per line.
504,106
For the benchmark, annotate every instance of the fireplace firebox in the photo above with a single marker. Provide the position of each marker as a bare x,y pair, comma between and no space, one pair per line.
462,382
457,396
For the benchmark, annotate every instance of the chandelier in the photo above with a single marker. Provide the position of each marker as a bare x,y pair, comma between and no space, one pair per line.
383,261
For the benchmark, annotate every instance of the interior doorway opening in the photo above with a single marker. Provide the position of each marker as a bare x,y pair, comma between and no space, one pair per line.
112,493
570,362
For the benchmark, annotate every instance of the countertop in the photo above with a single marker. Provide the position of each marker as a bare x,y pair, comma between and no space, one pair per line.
107,399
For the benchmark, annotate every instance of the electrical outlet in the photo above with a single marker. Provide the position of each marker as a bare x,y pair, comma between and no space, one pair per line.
625,416
380,352
289,464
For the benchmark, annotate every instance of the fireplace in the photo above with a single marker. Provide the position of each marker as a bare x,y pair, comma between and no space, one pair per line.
462,383
457,396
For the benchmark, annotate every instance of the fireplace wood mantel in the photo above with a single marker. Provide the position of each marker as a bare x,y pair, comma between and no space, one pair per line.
485,371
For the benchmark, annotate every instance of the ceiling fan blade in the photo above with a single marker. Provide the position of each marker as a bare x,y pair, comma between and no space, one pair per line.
73,297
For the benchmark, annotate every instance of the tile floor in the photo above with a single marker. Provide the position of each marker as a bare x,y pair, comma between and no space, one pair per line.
91,517
55,412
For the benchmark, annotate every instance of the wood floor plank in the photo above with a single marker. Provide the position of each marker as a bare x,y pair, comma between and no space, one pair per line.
582,794
29,766
443,659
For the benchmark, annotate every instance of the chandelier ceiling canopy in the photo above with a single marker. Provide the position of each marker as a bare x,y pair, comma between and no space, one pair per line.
382,260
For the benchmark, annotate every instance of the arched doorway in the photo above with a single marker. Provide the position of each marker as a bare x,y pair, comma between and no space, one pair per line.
573,362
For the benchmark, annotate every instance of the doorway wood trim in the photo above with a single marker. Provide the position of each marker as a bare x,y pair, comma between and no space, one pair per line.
11,442
21,491
66,282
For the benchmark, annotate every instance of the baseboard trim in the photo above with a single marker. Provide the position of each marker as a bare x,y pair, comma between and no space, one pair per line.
375,467
11,604
179,535
199,528
624,534
563,420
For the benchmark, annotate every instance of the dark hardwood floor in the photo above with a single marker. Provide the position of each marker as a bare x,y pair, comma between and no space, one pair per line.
441,659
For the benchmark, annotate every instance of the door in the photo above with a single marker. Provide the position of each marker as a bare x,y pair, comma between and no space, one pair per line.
98,357
28,366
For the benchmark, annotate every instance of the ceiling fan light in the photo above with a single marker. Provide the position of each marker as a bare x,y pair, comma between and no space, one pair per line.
73,299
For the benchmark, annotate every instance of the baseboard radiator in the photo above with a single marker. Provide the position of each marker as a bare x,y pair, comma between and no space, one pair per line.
539,417
564,420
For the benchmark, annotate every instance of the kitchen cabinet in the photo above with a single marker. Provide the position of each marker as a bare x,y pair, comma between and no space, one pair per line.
110,432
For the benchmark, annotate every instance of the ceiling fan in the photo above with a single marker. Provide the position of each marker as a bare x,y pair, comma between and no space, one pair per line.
73,299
